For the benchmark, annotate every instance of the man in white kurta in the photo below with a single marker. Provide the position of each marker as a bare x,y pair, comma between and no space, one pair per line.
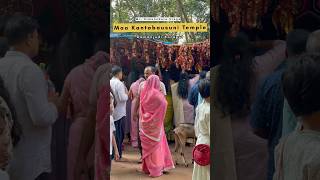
119,114
29,93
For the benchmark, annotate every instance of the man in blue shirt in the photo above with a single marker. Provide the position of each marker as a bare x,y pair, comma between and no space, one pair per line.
193,95
266,117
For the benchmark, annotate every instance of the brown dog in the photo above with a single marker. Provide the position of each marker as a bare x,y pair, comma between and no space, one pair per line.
181,135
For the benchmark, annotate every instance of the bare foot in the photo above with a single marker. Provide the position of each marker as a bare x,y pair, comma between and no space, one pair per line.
121,160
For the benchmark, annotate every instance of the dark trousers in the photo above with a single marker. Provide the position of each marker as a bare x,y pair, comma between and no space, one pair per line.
119,135
271,167
111,158
139,140
43,176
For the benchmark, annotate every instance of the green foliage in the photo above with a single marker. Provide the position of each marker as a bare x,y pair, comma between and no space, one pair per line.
124,11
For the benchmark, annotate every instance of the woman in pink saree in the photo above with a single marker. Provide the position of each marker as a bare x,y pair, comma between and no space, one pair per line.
75,99
133,94
156,157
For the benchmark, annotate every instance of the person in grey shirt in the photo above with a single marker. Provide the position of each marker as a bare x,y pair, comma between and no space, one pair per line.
297,155
290,121
36,111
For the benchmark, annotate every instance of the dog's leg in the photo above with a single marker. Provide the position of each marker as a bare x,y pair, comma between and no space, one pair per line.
176,142
183,139
176,148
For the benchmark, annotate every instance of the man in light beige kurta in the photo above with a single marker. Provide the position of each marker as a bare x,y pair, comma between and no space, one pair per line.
178,102
177,105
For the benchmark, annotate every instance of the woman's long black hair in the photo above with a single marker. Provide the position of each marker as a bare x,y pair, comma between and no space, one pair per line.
235,76
183,85
16,129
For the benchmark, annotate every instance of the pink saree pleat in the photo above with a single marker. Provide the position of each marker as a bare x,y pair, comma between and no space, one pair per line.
156,153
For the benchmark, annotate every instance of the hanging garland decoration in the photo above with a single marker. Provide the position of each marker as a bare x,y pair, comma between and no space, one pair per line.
127,53
185,60
165,56
146,51
170,55
190,61
283,16
244,13
196,56
254,11
188,57
215,10
112,56
181,58
140,46
207,53
172,52
134,48
234,14
160,55
11,7
204,55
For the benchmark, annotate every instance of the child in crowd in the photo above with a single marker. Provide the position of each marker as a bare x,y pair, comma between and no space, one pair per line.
297,155
112,129
202,129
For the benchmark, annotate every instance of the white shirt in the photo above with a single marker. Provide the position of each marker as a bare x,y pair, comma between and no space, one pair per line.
112,129
121,97
3,175
202,123
28,91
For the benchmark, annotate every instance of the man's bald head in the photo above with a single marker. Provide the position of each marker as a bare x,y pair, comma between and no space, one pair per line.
148,71
313,44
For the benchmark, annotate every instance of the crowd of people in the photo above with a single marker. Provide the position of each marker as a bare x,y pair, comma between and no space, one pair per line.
146,96
266,108
30,109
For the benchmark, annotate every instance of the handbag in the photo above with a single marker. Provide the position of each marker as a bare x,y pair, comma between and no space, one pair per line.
201,154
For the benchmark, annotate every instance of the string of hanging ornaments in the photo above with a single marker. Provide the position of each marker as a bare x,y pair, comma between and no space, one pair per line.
12,7
284,15
184,56
187,57
248,13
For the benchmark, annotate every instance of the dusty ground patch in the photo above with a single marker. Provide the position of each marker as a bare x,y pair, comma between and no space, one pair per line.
127,170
